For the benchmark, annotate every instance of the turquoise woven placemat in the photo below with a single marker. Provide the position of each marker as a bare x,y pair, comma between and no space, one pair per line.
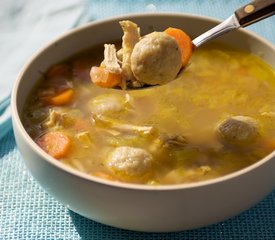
28,212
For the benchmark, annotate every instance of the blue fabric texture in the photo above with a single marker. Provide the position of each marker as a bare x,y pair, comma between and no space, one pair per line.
28,212
25,27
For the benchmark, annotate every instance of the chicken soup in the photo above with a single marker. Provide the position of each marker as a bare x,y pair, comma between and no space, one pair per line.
217,117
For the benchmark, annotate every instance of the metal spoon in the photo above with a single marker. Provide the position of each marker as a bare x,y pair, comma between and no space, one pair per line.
244,16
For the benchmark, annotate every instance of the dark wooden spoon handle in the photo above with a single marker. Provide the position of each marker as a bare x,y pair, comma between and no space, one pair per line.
255,11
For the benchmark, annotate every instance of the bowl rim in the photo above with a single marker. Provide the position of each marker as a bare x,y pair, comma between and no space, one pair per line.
87,177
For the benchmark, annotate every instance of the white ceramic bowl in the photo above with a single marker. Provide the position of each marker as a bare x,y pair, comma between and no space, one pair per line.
130,206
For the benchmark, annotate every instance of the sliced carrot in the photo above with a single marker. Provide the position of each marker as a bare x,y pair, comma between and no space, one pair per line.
184,42
62,98
103,78
56,144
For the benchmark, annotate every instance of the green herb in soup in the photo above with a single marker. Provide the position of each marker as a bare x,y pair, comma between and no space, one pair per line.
216,118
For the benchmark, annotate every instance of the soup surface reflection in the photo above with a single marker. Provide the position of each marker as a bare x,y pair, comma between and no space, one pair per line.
216,118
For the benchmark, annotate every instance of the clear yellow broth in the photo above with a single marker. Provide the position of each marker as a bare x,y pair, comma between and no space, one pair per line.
220,82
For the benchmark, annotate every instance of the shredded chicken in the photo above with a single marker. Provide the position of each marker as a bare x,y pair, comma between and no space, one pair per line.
55,119
121,127
130,37
119,54
110,61
205,169
268,114
85,139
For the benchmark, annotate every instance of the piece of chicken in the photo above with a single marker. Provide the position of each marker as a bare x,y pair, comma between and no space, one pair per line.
110,61
238,130
124,128
130,161
131,35
156,59
55,119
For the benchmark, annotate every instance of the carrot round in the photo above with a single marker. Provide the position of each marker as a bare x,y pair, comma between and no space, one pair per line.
62,98
184,42
103,78
56,144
